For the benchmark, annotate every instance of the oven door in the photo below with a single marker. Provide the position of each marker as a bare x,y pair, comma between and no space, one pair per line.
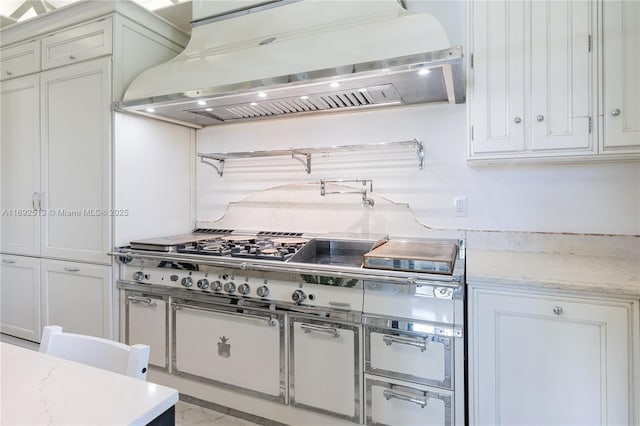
147,323
324,366
233,346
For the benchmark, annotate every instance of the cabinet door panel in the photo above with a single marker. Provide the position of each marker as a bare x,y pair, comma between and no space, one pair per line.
621,37
147,325
498,77
560,74
543,360
77,297
329,382
20,297
20,165
76,156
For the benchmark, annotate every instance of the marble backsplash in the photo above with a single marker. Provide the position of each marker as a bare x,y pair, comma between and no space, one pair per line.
301,208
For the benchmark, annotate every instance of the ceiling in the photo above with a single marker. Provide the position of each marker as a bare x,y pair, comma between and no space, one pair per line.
176,11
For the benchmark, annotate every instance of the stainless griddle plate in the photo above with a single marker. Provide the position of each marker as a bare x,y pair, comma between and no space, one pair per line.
436,256
166,244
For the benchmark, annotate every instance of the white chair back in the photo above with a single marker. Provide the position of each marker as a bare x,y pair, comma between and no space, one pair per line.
107,354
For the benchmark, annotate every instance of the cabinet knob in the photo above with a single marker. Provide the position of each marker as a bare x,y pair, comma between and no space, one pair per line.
517,120
72,57
558,310
616,112
70,269
9,73
540,117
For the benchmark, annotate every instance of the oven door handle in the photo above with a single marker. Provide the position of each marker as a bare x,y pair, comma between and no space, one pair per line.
389,394
145,300
308,328
269,320
418,343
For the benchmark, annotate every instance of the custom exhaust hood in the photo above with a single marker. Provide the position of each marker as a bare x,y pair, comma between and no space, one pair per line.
291,57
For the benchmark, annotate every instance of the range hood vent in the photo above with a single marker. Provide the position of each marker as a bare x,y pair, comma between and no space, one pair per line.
300,58
328,101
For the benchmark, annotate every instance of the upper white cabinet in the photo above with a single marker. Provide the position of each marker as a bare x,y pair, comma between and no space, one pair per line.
76,155
621,85
531,78
21,59
77,44
550,359
20,168
57,145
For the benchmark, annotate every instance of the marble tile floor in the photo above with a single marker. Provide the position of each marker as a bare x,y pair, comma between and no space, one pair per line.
190,414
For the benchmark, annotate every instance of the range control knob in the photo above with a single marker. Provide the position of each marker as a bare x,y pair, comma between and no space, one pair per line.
187,281
244,289
203,283
230,287
138,276
216,285
298,296
262,291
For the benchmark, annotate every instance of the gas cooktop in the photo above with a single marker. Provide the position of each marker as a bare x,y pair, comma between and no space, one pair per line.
355,251
223,242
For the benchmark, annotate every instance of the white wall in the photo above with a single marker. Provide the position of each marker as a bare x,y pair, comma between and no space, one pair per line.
152,178
581,198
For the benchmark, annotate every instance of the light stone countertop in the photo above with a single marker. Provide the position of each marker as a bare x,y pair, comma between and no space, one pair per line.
605,275
40,389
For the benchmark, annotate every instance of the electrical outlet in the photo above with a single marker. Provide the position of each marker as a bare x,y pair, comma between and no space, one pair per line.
460,206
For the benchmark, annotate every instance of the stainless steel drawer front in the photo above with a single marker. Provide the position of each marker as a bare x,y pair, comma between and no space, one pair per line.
389,403
409,355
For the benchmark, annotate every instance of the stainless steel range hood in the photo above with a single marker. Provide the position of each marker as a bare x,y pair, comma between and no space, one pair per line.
299,57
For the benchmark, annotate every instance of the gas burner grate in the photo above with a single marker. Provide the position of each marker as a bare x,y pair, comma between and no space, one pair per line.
279,234
212,231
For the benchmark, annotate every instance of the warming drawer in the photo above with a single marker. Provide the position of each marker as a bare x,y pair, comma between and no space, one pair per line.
417,352
391,402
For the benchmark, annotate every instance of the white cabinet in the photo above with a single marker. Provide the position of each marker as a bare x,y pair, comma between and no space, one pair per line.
20,167
531,78
19,60
543,359
77,297
78,44
20,297
57,150
76,152
621,55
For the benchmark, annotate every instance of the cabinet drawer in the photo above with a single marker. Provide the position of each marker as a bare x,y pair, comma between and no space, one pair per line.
390,402
419,357
20,60
77,44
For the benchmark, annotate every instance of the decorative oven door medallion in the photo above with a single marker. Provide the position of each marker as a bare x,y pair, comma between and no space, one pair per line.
224,348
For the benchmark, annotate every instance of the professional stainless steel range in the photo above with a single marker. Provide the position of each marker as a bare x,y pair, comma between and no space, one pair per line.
360,328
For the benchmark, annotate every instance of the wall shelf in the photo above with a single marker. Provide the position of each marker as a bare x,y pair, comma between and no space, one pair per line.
303,155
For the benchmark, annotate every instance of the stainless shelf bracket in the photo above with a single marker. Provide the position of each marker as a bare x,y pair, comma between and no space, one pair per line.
420,152
306,162
219,167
